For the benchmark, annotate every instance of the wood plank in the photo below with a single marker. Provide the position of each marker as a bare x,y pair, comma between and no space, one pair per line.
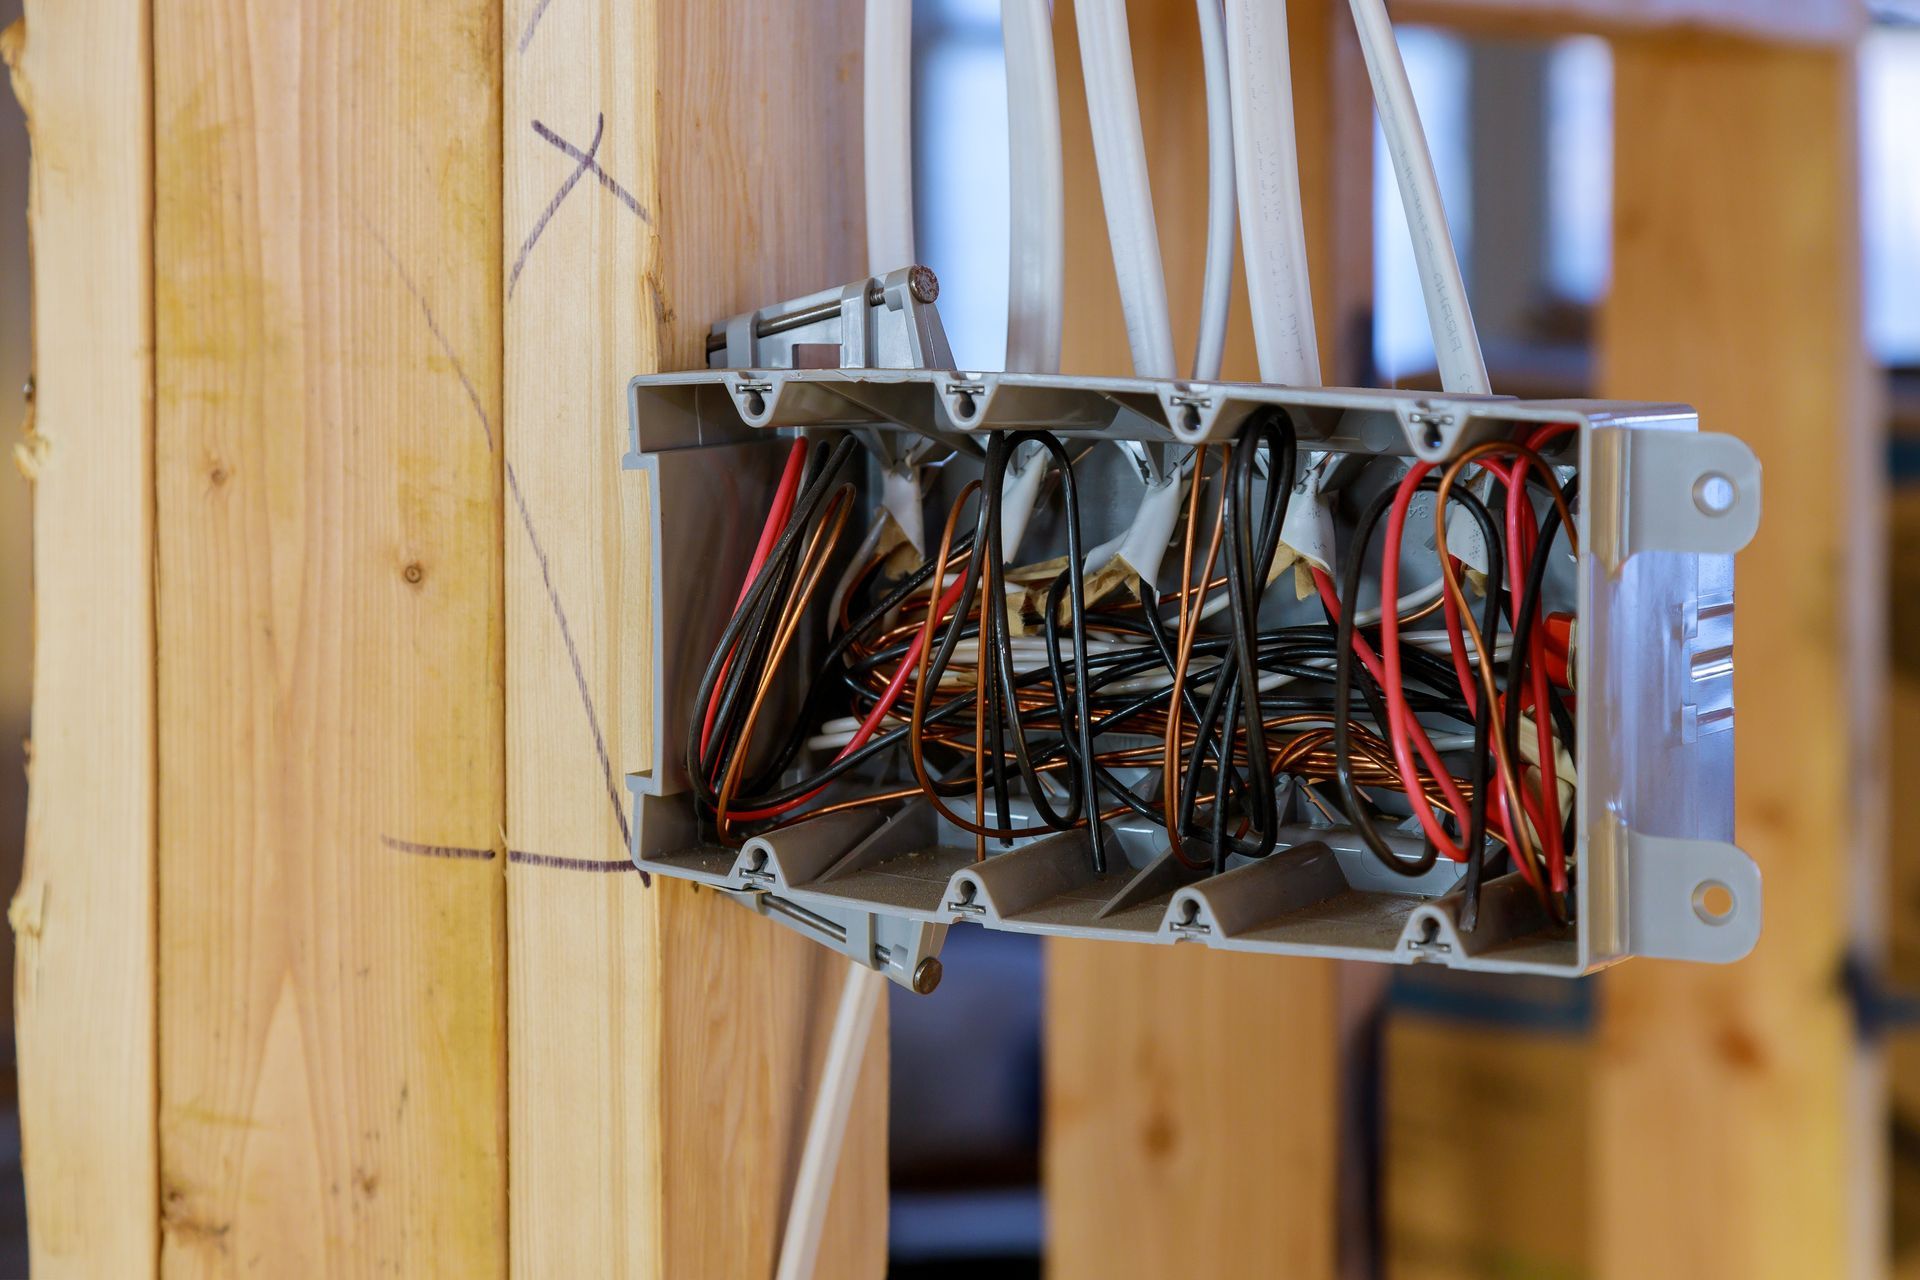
1149,1050
1191,1112
1903,747
83,914
1735,1124
1903,1057
332,994
664,1042
1836,23
1487,1130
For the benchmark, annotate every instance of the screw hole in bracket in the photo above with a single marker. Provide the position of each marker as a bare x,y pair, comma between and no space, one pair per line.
1714,494
1713,902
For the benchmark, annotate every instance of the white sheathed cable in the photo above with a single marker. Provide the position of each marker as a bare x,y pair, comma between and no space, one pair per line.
1036,258
1211,345
888,112
1143,544
1018,494
1036,245
827,1127
1120,153
1456,345
1273,234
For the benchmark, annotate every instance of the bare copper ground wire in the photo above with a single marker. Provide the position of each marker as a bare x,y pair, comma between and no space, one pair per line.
813,564
916,723
1172,777
1307,754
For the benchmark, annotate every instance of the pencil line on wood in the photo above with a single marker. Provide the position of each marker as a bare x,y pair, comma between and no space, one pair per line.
553,205
435,850
539,12
533,539
439,335
552,862
573,654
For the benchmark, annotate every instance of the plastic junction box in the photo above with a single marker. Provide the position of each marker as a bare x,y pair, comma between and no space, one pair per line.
1663,508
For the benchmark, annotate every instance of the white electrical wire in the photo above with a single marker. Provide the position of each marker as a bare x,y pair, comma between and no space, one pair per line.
888,135
1456,345
1210,347
827,1127
888,111
1120,153
1273,233
1036,256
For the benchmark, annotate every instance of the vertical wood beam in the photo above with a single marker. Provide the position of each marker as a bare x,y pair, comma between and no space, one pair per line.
1150,1050
1733,1119
1903,745
665,1043
83,914
327,476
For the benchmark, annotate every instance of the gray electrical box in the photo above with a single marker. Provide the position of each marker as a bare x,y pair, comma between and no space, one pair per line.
1663,509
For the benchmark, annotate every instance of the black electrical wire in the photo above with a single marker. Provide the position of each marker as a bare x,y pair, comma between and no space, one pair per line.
752,623
1240,659
1105,777
1349,597
1279,650
1249,562
1085,794
830,666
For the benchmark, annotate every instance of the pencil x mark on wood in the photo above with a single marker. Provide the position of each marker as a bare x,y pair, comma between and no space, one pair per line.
606,180
584,162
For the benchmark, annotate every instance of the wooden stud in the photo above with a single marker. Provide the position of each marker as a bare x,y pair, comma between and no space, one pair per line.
1735,1122
83,915
667,165
1903,754
1487,1130
327,475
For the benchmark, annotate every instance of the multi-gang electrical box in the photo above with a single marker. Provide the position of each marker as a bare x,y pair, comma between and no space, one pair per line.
880,857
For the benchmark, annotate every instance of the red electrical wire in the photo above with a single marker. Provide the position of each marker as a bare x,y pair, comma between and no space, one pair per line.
1405,733
1470,690
782,508
1537,661
1418,734
908,662
1401,725
1542,805
1522,532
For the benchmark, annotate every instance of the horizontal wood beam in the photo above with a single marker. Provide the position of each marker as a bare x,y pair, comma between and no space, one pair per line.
1832,22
